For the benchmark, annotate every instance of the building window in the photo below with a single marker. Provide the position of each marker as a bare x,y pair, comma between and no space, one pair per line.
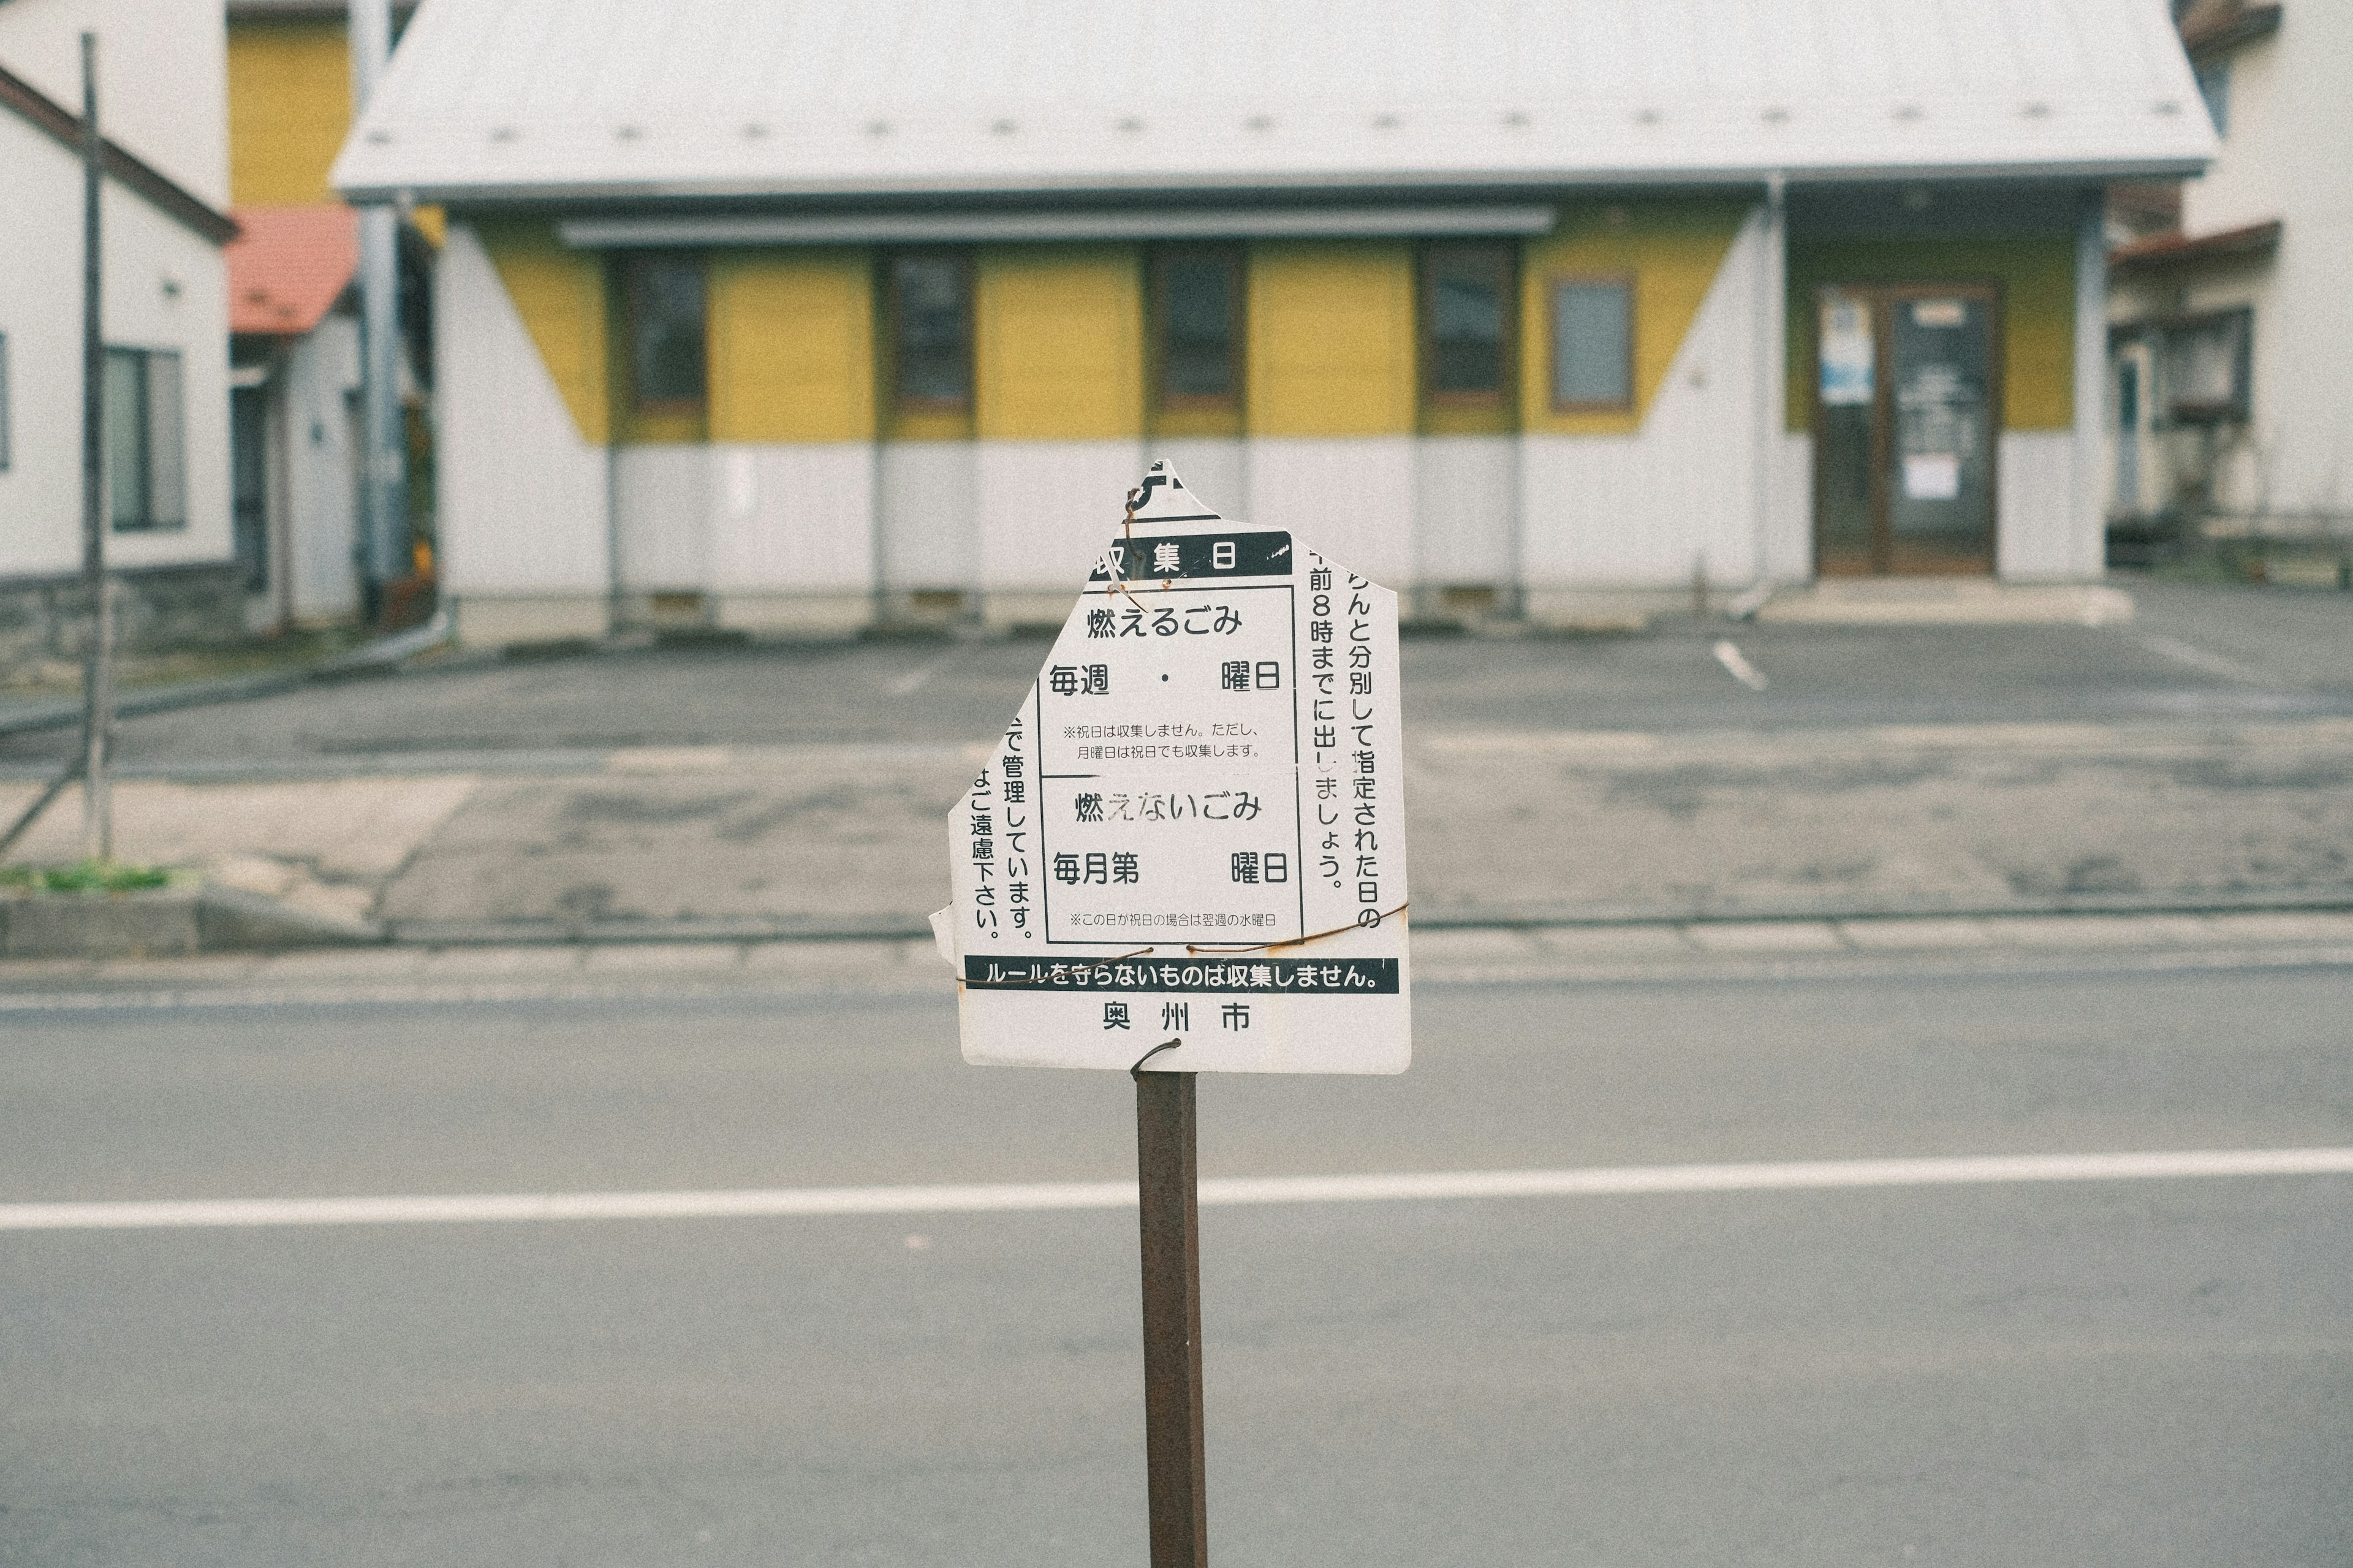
666,330
1466,312
2208,367
1592,344
3,403
1198,315
146,451
931,333
2215,86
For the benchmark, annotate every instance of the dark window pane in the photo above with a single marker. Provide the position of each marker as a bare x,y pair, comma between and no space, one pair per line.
666,330
1592,341
248,466
126,438
167,452
1467,314
933,315
1200,322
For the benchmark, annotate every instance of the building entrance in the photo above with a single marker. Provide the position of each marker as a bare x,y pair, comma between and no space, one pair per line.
1907,386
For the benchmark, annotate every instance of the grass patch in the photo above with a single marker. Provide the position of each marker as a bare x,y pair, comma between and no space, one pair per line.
84,877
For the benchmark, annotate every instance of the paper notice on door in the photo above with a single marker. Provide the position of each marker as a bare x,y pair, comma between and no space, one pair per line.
1932,476
1846,354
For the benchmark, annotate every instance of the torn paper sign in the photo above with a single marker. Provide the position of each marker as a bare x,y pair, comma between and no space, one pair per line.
1194,829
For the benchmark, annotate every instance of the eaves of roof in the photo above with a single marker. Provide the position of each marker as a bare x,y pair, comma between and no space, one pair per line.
2228,30
2181,251
307,10
159,190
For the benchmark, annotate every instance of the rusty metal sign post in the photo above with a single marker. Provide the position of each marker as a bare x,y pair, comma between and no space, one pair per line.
1193,832
1167,1190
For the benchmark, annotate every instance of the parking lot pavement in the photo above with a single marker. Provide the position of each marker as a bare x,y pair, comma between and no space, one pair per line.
764,791
2193,653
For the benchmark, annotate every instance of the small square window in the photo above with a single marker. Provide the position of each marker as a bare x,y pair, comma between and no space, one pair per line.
1592,344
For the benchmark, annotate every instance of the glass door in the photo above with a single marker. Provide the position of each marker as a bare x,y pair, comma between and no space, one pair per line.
1906,390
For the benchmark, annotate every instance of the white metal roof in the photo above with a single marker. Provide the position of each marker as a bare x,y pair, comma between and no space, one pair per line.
585,99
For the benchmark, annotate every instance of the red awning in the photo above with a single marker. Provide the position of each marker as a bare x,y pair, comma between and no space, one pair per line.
290,267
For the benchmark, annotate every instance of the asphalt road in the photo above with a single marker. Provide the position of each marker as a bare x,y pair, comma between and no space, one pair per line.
2148,1372
2192,654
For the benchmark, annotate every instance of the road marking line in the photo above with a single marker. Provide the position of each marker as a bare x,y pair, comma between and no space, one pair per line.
915,679
1735,664
2198,658
1604,1181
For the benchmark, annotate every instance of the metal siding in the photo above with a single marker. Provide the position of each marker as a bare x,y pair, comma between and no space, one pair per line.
1331,340
1466,509
795,519
927,514
559,297
1644,508
1048,508
522,495
1350,497
792,346
1059,343
2035,529
663,496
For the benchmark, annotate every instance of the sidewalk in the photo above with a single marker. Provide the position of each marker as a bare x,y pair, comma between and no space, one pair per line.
1544,826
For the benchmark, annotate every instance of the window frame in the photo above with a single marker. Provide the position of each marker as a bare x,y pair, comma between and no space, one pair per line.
1235,261
162,464
903,406
2238,407
1553,283
1503,398
633,265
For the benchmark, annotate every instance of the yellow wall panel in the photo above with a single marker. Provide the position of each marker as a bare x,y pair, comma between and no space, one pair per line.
289,106
1670,250
560,295
792,346
1058,349
1331,340
2036,274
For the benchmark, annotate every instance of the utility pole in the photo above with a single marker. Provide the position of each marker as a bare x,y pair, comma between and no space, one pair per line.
385,545
98,658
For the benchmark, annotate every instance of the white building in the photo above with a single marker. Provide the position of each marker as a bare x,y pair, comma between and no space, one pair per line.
165,311
789,317
2232,356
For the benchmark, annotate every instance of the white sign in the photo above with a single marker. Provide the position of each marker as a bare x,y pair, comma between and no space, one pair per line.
1195,829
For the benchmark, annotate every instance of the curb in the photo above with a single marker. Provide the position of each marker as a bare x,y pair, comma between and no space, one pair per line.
550,933
167,923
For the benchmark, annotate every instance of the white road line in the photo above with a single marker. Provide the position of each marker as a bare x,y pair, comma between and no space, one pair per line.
2198,658
1605,1181
915,679
1735,664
